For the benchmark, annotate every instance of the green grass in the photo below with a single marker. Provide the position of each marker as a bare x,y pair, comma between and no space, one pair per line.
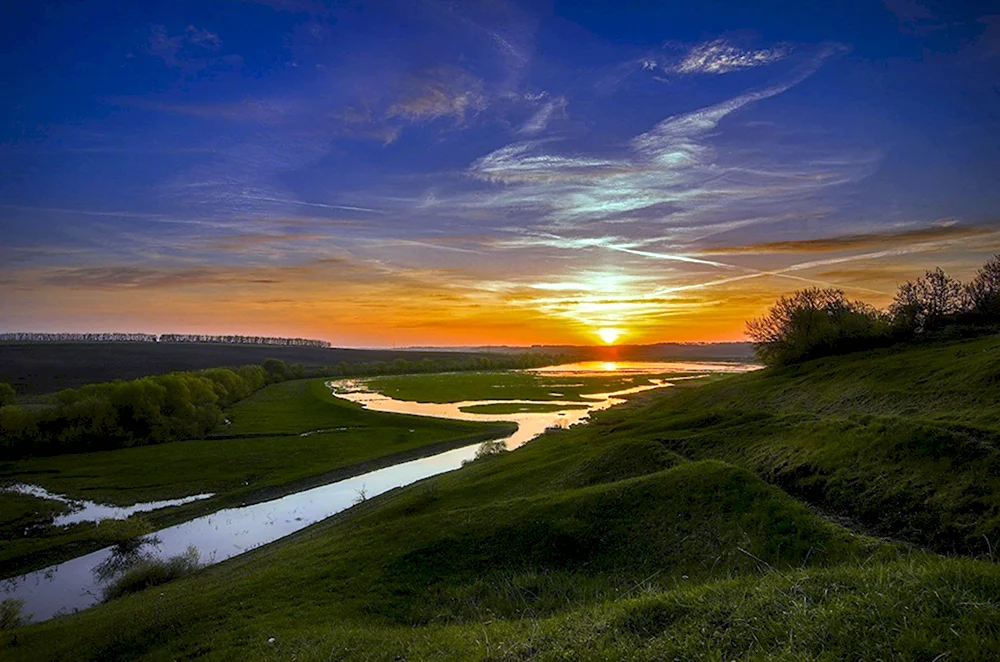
514,408
276,461
902,441
670,528
458,387
23,514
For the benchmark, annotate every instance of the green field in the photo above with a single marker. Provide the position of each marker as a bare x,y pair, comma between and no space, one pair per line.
718,521
263,455
458,387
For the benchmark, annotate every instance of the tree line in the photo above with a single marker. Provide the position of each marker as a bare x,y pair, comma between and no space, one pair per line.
181,405
820,322
162,338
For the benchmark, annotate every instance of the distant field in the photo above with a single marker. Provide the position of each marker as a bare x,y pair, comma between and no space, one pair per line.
34,368
456,387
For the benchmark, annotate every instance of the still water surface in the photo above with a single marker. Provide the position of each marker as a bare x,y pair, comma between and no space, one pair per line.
72,585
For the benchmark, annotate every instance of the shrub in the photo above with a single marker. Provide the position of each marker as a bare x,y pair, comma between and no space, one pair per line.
11,614
488,449
816,322
7,394
152,572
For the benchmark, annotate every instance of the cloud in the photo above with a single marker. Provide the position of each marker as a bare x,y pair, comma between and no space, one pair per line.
540,119
660,176
132,277
246,241
720,57
443,92
939,232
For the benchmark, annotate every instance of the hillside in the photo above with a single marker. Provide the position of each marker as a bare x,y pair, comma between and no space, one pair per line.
727,520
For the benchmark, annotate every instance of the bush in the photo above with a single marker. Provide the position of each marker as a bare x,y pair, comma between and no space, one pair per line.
7,394
488,449
152,572
813,323
11,614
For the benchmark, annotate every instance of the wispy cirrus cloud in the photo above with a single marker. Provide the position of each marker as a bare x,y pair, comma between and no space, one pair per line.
443,92
714,57
721,57
936,232
658,176
540,119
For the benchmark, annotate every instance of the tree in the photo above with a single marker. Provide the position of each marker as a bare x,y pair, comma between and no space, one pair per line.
928,303
275,369
983,293
815,322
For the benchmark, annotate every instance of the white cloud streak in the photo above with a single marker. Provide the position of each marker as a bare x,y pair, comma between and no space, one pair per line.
720,57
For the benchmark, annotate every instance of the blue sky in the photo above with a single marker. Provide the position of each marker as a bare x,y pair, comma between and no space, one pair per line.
446,172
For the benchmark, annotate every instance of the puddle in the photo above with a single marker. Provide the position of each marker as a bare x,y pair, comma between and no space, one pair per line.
88,511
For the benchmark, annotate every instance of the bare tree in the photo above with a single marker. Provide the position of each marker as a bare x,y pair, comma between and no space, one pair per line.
983,293
928,302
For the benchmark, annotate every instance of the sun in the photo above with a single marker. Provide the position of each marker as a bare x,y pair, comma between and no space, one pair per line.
609,336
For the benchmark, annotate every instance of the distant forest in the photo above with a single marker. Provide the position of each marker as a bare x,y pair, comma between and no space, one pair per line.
820,322
182,405
163,338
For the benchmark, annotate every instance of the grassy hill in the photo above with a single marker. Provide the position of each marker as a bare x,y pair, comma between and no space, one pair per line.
715,522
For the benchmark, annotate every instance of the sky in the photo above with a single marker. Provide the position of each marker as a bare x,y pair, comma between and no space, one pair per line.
426,172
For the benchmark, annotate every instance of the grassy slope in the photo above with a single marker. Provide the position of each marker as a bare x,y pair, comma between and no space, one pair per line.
902,441
456,387
594,543
275,461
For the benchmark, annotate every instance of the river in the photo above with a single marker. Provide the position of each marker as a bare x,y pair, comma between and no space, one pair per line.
73,585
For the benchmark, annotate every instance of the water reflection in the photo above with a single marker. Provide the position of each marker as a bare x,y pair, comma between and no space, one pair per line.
81,510
529,424
604,368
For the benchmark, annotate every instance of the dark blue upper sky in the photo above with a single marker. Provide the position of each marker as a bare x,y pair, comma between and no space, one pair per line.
570,166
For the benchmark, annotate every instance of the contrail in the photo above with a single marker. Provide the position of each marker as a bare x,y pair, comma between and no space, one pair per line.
318,204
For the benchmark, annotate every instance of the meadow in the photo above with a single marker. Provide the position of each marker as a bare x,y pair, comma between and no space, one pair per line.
844,508
284,438
453,387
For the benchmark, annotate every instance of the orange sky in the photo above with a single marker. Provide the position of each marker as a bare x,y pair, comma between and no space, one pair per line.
369,303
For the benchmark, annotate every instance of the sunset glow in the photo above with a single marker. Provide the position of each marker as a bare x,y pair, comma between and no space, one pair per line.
609,336
486,173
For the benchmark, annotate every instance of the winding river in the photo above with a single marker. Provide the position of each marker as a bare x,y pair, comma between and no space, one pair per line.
74,584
